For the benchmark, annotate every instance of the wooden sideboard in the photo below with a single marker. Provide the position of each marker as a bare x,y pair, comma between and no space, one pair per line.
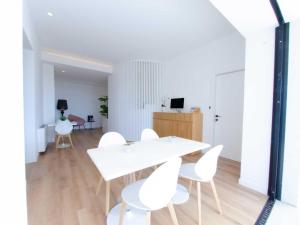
186,125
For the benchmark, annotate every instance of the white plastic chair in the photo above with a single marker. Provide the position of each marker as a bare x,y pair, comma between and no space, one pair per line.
63,129
182,194
203,171
109,139
153,193
149,134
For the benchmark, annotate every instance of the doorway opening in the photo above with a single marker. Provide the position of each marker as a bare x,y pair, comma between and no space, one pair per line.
228,115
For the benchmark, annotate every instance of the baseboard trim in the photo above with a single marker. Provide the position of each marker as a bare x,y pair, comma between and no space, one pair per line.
255,188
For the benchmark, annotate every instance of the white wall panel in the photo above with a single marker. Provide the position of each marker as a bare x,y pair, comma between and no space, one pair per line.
49,107
135,92
291,167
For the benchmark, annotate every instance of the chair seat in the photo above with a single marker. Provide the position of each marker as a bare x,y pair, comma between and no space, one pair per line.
187,171
181,196
130,195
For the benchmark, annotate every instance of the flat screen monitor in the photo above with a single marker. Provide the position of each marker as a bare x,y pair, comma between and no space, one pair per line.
177,103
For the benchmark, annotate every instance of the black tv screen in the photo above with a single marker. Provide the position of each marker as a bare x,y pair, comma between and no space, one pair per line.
177,103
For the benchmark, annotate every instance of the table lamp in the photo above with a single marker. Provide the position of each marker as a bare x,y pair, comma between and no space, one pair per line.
62,105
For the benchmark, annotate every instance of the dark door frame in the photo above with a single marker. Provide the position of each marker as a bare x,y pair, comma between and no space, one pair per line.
279,110
279,113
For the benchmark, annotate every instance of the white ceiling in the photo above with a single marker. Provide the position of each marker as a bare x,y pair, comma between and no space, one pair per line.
115,30
80,75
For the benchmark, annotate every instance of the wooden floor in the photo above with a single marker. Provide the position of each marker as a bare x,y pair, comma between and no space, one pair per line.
61,191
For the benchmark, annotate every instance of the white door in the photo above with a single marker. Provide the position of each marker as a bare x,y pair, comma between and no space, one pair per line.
229,113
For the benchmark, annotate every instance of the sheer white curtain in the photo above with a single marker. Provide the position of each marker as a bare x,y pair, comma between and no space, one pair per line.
135,92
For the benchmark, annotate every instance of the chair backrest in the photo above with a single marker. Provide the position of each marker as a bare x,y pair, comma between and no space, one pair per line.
63,127
77,119
160,186
206,166
111,138
149,134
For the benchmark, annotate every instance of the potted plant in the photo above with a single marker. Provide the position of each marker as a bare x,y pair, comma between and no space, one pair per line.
104,112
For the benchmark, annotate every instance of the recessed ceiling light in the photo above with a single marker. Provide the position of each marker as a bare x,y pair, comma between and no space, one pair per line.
50,14
63,71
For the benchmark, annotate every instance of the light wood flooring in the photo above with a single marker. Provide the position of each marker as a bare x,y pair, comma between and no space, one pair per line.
61,191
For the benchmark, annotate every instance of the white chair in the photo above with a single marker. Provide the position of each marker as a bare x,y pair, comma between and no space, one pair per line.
109,139
203,171
63,129
153,193
182,194
149,134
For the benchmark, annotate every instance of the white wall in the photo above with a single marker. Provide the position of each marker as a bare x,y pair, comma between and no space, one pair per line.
291,166
33,90
259,34
192,75
82,98
258,100
30,121
12,169
49,107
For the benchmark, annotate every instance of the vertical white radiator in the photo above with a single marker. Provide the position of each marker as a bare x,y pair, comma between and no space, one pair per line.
42,139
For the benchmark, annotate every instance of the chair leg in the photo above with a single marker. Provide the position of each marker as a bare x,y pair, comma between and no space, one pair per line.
57,141
99,185
133,178
70,139
199,202
190,186
107,196
173,214
139,175
212,183
122,212
148,218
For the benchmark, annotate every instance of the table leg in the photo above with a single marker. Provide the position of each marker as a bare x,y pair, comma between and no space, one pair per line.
132,178
99,185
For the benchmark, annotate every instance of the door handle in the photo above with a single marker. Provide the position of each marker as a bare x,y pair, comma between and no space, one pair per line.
217,116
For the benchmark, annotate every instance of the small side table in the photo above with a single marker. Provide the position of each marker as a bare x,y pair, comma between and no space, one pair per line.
74,124
91,123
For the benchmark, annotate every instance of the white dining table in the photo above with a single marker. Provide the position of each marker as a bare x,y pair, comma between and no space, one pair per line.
120,160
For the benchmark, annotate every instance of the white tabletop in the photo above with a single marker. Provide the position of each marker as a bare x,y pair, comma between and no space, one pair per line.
117,161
